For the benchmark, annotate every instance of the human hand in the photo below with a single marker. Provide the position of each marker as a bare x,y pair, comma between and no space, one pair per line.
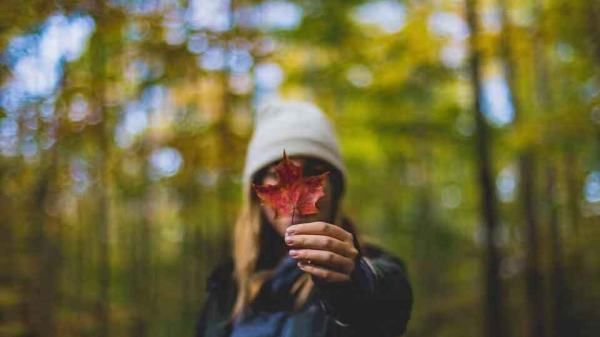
324,250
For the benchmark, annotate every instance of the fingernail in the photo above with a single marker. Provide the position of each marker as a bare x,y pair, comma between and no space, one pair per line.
289,231
293,253
289,240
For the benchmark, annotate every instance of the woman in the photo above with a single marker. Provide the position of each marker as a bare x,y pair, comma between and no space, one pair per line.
310,278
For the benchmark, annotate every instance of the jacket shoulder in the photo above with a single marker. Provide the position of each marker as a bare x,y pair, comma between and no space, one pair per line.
376,253
221,275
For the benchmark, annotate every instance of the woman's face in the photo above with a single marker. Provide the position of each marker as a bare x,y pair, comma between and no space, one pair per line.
310,167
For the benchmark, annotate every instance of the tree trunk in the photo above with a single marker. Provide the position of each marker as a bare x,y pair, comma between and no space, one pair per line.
140,253
593,17
545,103
98,50
494,325
557,281
45,253
533,279
573,188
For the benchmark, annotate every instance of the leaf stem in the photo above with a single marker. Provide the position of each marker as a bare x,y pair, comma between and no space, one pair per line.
293,213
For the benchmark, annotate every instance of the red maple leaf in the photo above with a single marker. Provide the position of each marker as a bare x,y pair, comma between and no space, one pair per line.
292,194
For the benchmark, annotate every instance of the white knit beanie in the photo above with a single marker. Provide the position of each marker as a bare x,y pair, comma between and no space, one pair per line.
297,127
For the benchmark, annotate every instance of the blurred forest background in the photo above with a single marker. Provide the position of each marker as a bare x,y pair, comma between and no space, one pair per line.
471,130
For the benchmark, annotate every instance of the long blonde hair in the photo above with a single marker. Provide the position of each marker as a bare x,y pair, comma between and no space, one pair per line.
252,243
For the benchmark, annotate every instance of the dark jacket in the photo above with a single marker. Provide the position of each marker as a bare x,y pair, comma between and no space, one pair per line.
334,309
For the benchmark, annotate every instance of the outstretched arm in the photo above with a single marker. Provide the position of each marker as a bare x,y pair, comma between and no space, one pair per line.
362,293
